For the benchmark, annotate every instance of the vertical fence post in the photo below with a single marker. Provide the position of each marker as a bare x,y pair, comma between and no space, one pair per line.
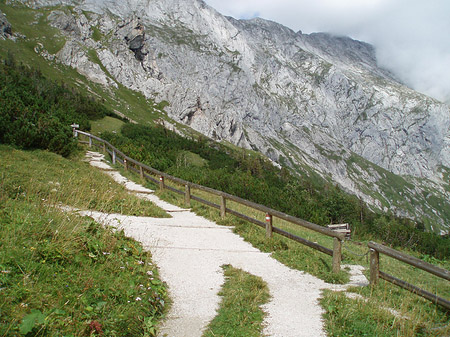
90,141
161,183
74,129
374,267
113,157
104,147
223,207
337,255
125,164
141,172
269,226
187,195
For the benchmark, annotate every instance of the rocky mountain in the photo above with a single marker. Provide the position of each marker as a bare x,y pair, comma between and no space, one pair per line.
317,103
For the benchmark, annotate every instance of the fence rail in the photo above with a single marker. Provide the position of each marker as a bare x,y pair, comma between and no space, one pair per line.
375,273
144,171
375,249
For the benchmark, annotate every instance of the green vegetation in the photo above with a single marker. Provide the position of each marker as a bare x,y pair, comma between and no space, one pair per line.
37,113
40,175
385,310
345,317
34,25
240,313
251,177
106,124
62,274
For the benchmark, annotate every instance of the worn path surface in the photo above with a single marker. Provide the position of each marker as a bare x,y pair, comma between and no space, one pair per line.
190,250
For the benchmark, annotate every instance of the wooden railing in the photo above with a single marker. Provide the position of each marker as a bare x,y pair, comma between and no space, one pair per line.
144,171
376,273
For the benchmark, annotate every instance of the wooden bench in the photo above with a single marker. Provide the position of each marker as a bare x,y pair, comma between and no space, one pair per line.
341,228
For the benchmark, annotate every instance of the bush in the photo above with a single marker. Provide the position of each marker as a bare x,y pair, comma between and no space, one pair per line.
36,113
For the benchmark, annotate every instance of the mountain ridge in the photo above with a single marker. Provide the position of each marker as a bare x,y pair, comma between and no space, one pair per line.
312,102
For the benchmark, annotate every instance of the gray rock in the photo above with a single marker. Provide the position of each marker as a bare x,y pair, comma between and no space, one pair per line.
314,102
5,27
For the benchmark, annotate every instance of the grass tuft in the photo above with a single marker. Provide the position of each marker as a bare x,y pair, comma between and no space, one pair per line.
240,313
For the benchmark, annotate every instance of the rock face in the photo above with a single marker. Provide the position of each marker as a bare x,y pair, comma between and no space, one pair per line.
5,27
318,103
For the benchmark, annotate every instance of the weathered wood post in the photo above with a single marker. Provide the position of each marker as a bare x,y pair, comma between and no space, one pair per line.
374,266
161,183
113,156
223,207
125,164
187,195
141,171
337,255
90,141
269,226
74,129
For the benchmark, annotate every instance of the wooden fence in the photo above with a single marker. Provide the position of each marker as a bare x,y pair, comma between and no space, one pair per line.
376,273
336,253
144,171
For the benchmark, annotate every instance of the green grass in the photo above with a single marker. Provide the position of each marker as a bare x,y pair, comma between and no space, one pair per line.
106,124
239,313
416,316
62,274
33,24
371,317
45,177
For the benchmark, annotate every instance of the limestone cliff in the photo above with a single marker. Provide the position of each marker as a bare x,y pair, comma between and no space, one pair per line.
314,102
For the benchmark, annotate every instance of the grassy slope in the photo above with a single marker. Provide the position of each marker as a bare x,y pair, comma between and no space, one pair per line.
65,274
107,124
45,177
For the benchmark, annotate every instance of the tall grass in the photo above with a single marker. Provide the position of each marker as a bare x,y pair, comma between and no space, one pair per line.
62,274
44,176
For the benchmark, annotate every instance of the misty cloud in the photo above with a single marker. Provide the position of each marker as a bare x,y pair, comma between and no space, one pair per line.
412,37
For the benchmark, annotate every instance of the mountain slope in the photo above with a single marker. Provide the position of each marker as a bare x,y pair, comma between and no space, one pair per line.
317,103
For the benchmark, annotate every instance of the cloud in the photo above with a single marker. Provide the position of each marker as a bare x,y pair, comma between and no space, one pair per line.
412,37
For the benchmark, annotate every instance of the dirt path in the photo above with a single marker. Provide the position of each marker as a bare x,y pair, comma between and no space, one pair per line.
190,250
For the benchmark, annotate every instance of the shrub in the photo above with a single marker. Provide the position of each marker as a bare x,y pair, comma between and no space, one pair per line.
36,113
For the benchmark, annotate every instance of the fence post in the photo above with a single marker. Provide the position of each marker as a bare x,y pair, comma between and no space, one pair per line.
90,141
269,226
141,172
104,147
74,129
187,195
113,157
374,266
125,164
161,183
223,207
337,255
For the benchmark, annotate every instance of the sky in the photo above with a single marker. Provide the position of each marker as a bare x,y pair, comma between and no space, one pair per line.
411,37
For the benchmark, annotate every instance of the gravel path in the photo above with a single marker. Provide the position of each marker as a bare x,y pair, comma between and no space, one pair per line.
190,250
